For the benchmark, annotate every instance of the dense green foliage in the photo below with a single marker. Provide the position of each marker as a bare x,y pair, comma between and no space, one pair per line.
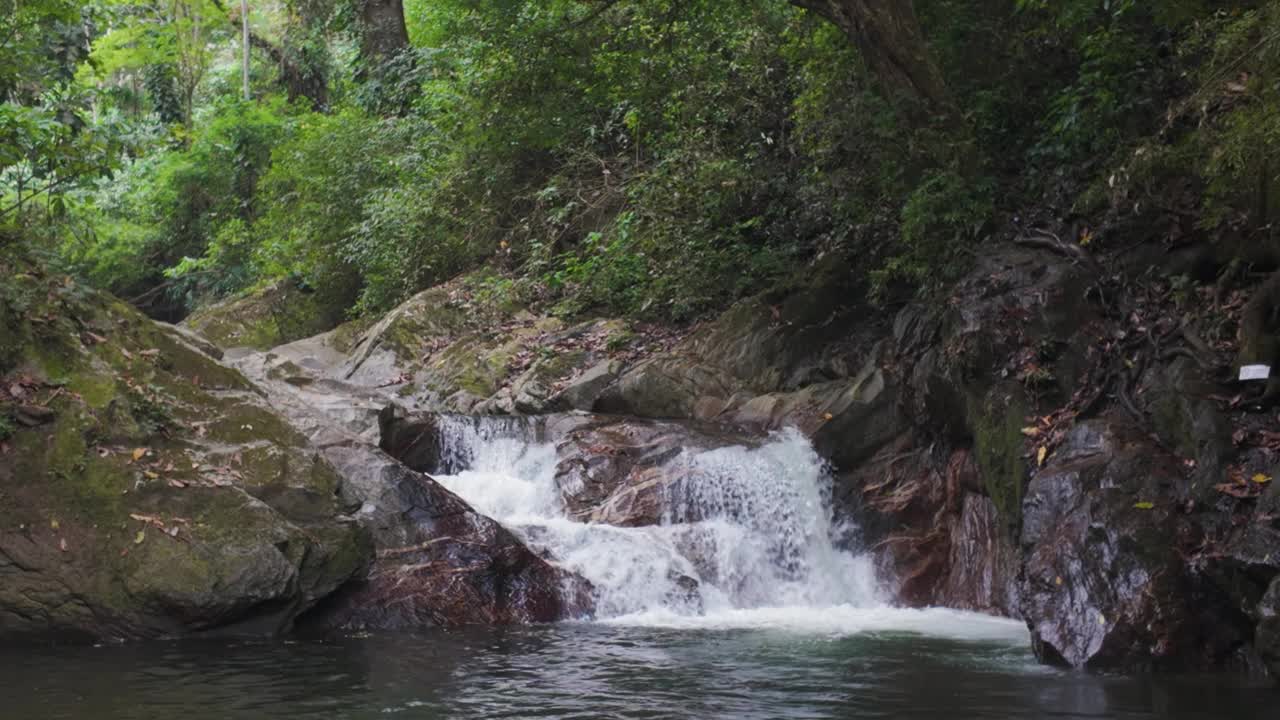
657,158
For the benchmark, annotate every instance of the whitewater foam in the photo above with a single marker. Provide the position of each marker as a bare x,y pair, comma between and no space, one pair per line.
748,540
841,621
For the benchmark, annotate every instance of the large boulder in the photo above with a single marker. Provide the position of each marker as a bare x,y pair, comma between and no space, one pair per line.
146,489
438,561
282,312
1106,582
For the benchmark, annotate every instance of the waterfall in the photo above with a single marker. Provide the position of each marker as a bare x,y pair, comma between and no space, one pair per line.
748,530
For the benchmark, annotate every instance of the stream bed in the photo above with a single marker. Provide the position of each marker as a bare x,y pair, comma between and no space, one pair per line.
741,604
747,598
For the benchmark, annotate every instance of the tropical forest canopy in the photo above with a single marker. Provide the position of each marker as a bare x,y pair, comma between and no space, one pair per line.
655,158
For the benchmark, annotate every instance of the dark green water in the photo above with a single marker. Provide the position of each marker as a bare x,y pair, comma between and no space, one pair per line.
594,671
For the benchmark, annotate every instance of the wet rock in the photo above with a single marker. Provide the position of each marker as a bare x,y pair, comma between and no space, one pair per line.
438,561
926,431
685,594
983,562
1267,639
414,440
612,470
626,471
1242,559
912,515
1105,584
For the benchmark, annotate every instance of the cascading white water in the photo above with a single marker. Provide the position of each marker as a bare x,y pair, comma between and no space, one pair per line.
746,541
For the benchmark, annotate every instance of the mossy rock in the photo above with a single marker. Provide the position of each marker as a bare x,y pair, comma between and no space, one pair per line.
477,365
268,317
155,493
401,342
996,421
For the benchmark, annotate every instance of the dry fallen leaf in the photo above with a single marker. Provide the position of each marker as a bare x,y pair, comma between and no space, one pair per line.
62,544
1261,479
151,519
142,535
1233,489
139,453
1040,455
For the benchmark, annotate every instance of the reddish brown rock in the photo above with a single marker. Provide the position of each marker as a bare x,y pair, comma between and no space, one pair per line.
452,567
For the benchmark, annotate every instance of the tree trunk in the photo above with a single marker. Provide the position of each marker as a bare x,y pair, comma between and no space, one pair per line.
383,34
302,80
888,35
298,78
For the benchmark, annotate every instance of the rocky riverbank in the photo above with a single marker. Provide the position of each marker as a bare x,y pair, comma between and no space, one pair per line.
1055,443
150,490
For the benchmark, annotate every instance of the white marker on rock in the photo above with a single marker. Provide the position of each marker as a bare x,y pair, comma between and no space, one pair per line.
1255,372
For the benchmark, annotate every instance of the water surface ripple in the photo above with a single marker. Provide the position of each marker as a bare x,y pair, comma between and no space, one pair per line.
594,671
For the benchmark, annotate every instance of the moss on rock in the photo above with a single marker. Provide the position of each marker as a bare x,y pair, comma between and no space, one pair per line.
157,495
270,316
998,447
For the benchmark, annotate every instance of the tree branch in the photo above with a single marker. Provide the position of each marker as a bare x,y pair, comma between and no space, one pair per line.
23,201
591,17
